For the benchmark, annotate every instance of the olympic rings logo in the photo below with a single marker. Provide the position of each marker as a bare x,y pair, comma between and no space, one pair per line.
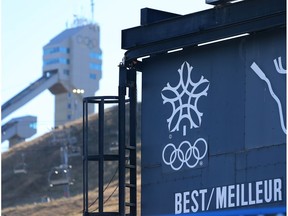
185,154
86,41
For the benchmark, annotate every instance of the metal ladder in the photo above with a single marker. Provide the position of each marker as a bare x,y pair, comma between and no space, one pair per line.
127,151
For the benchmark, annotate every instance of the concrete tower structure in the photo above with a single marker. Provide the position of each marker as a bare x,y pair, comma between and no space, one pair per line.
72,64
75,56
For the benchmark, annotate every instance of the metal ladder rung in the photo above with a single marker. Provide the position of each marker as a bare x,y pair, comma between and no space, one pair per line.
102,214
130,204
129,166
130,147
130,185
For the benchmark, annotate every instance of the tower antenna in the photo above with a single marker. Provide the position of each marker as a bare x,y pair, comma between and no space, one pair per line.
92,10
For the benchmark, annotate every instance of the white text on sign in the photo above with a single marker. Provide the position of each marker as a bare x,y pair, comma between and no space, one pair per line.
230,196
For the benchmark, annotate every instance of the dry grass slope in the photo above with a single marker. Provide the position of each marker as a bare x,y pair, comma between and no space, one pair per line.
22,193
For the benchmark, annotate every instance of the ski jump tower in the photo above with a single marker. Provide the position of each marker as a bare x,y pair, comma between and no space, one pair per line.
75,57
72,69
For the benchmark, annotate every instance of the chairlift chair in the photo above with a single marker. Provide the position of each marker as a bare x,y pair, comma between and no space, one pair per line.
72,140
59,176
113,146
58,137
20,168
74,151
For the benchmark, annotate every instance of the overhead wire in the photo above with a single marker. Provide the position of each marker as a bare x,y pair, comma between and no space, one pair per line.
104,188
107,198
91,204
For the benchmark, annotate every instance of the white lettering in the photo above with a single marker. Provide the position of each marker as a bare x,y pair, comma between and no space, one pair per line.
203,192
268,191
221,200
186,201
178,205
277,190
243,202
195,207
237,195
258,192
251,201
231,195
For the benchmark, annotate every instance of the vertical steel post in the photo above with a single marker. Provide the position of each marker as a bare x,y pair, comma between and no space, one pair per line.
133,149
85,156
101,156
65,163
122,123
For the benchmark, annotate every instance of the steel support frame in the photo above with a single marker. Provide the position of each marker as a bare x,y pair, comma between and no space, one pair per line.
101,157
190,30
127,80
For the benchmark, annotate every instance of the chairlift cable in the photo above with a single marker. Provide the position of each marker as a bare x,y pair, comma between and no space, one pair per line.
104,188
107,198
91,204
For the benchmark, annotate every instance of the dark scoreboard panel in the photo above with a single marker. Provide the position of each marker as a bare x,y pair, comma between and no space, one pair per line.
213,127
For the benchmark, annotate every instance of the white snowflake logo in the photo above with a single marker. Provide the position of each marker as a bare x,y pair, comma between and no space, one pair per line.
184,99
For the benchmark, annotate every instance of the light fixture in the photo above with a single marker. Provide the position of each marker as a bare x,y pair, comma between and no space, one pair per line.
223,39
78,91
219,2
216,2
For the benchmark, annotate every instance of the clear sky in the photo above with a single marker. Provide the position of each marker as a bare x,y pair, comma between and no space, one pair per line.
29,25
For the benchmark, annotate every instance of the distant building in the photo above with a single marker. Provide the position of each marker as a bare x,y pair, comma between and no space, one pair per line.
75,56
19,129
72,69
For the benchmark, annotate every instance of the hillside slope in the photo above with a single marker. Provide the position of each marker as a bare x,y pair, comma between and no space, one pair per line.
44,153
73,206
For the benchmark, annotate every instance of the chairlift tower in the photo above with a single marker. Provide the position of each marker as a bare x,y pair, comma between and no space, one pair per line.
61,175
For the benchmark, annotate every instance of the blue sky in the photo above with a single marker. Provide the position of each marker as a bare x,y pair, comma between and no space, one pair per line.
26,26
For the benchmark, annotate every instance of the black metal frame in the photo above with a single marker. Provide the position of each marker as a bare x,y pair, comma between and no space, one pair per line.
100,157
127,79
204,26
126,145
